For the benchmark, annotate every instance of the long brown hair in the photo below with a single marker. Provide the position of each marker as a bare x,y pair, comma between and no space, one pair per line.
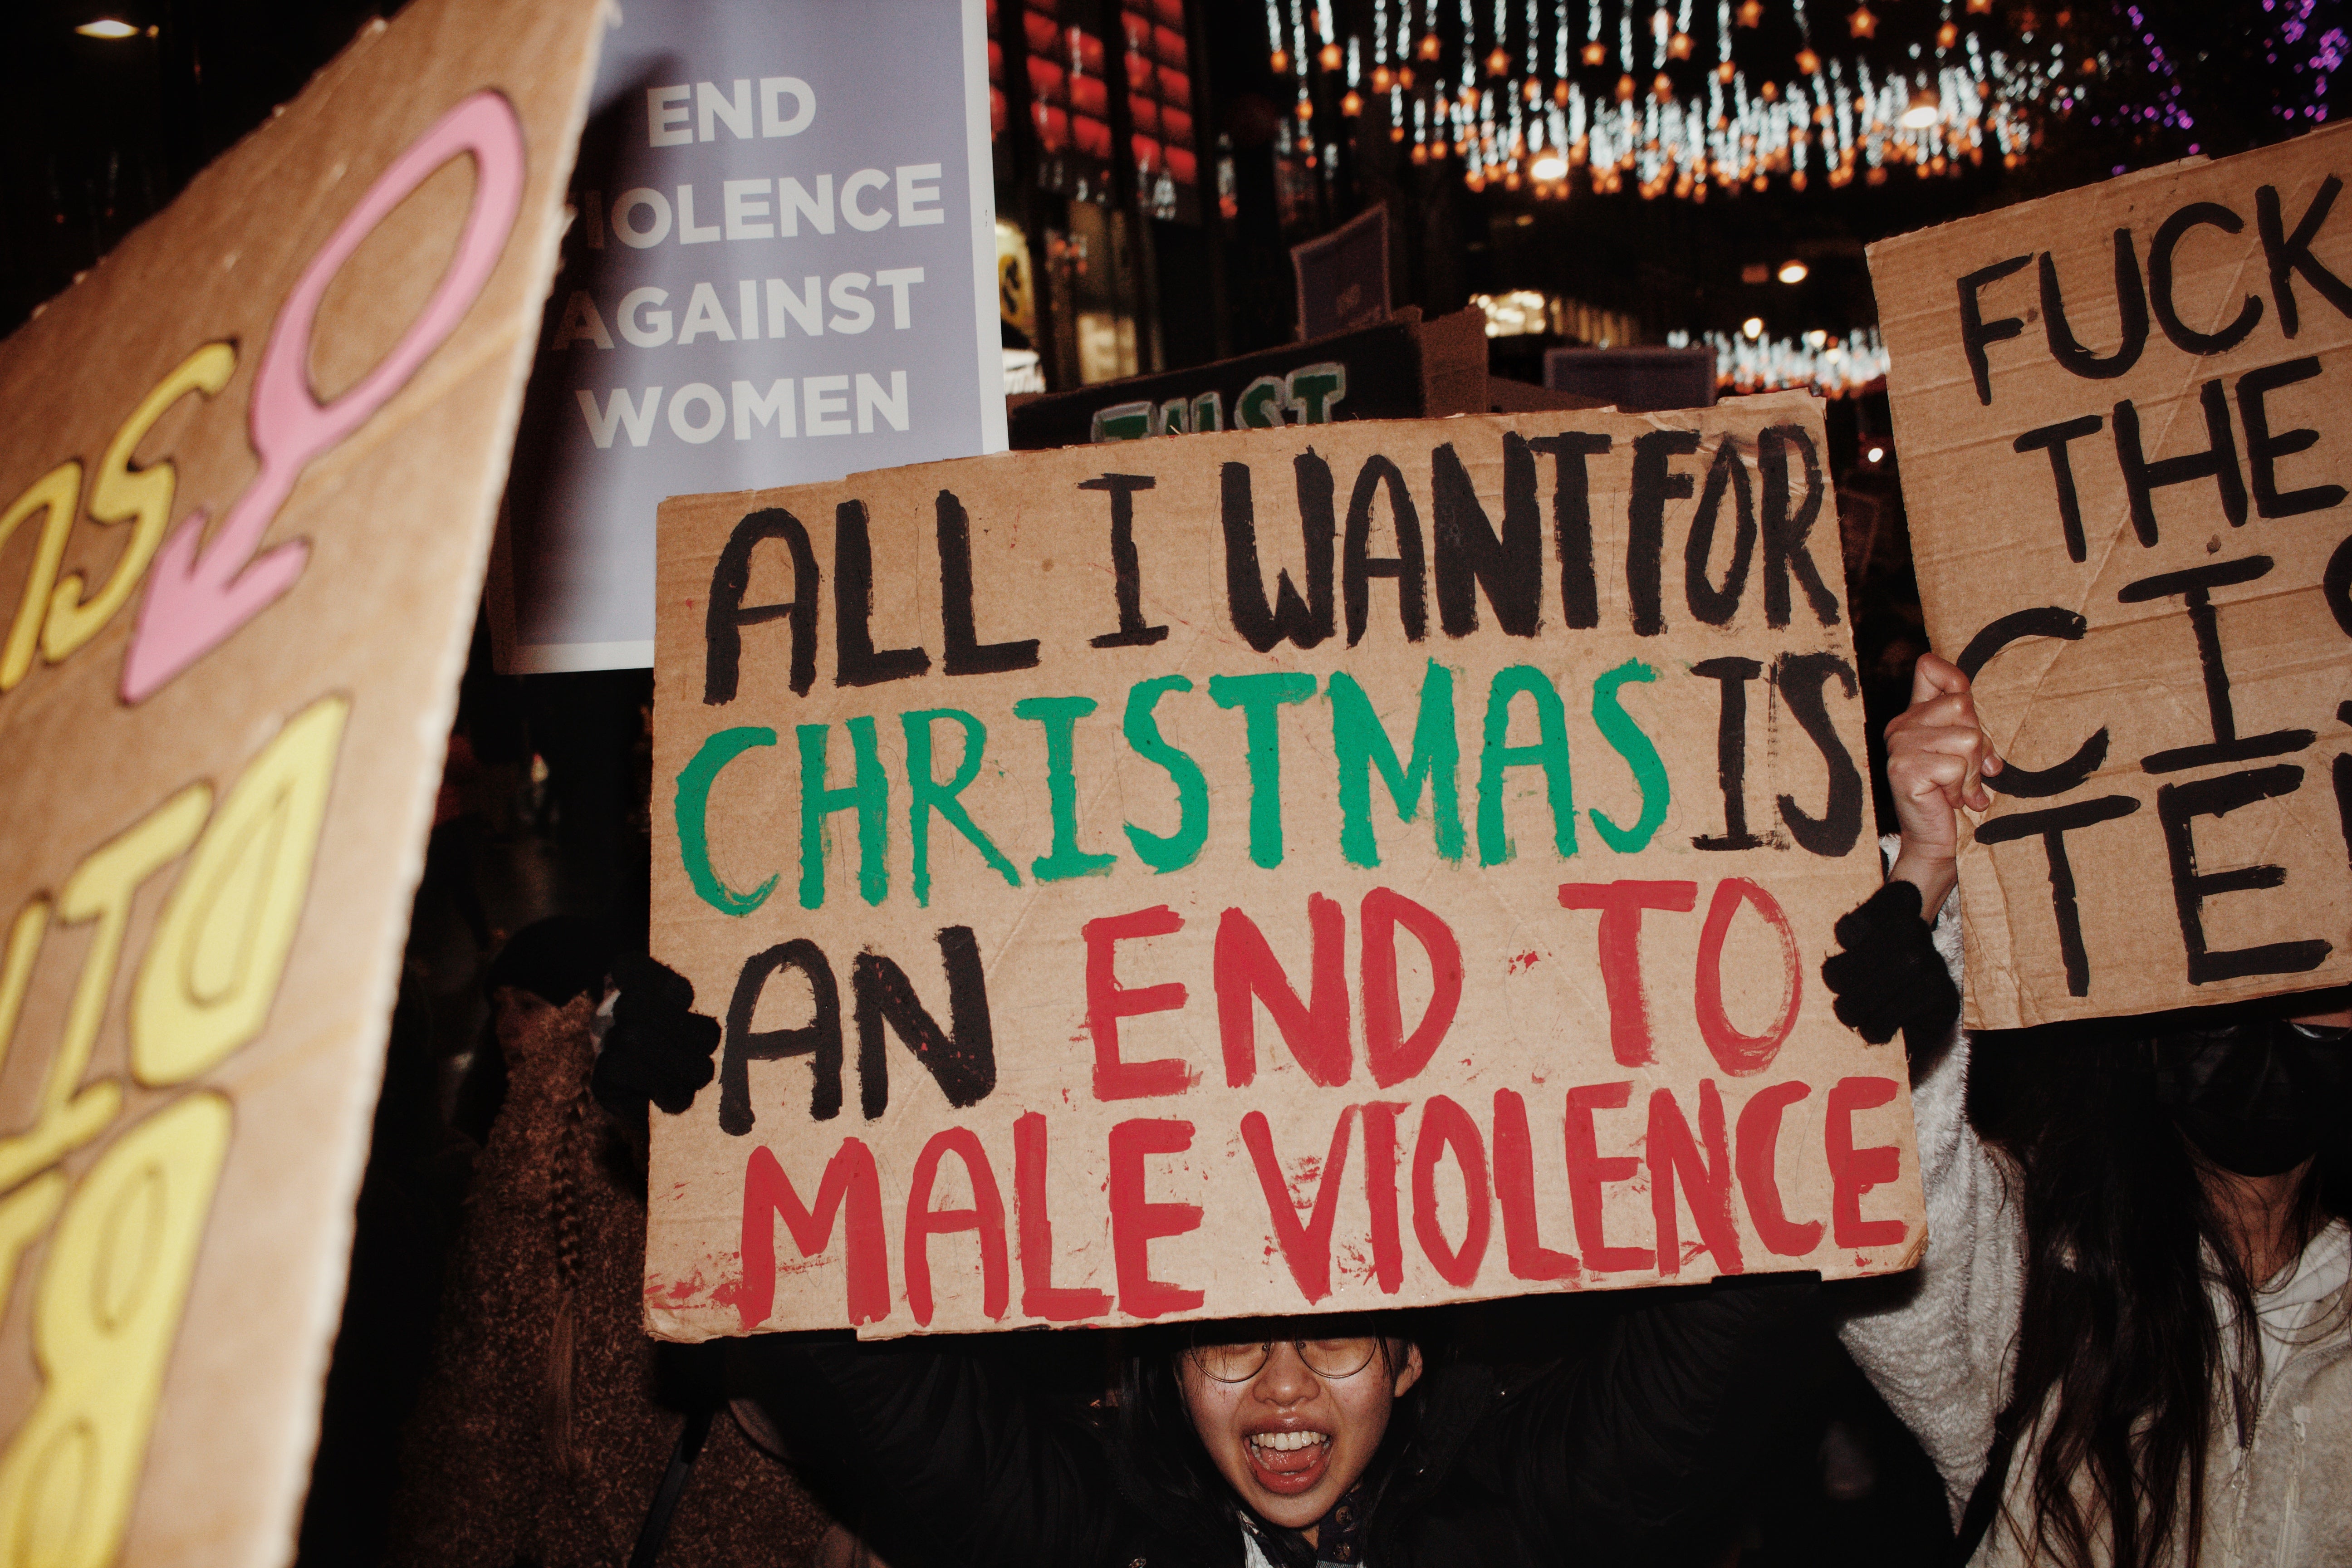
2124,1367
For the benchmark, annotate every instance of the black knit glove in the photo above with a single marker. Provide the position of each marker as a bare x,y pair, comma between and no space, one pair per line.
1890,975
658,1048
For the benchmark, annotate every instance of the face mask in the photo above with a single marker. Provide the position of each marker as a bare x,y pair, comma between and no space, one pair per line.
2255,1097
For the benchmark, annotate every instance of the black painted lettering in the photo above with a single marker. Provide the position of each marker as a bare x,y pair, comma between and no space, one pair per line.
856,661
1571,521
960,1058
819,1038
2264,447
2178,806
1801,679
724,620
1730,749
2051,824
2217,462
966,654
1727,474
2045,621
1977,335
2131,308
2053,439
1127,569
1786,526
2291,253
1408,567
2160,281
1654,483
1471,558
2194,587
1304,622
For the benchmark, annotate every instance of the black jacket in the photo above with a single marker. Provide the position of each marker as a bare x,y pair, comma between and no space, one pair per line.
1625,1449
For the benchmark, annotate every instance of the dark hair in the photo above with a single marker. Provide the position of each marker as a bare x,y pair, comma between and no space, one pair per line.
1170,1473
2117,1336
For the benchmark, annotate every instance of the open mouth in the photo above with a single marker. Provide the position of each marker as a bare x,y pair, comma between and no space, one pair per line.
1289,1462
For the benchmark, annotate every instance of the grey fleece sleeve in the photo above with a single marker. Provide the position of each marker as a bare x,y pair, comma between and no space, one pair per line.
1939,1348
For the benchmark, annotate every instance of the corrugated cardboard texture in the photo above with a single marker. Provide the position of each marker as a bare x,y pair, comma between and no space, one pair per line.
213,837
2185,334
1161,939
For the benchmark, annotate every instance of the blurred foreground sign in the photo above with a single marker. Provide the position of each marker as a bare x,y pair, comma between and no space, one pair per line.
253,459
2123,416
1324,867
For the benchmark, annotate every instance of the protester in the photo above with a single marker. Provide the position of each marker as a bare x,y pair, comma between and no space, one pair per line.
549,1430
2130,1339
1296,1441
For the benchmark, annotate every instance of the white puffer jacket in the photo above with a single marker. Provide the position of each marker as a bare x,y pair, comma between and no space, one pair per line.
1942,1355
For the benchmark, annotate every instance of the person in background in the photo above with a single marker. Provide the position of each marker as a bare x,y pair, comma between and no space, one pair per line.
2130,1339
549,1429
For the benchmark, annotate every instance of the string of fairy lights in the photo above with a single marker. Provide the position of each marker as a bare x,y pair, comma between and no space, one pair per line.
1520,92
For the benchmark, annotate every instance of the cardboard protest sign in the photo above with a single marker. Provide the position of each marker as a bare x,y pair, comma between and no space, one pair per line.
253,459
783,270
2123,418
1357,866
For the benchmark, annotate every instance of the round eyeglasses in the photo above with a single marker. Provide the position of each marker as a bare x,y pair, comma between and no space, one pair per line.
1327,1358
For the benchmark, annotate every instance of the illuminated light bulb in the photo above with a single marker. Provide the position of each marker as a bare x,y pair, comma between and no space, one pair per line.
1947,36
1430,46
1382,79
1759,184
1329,56
1352,104
1560,94
1625,89
1420,153
1752,328
1679,46
1662,88
1816,339
1751,13
1594,53
107,27
1474,180
1549,167
1498,63
1772,92
1877,176
1792,271
1396,133
1532,90
1797,180
1305,111
1808,62
1981,7
1511,180
1861,23
1470,99
1280,60
1725,71
1877,454
1404,78
1923,112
